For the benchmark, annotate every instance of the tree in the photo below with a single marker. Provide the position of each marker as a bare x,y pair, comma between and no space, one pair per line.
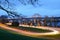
9,8
51,21
15,23
4,19
46,21
8,5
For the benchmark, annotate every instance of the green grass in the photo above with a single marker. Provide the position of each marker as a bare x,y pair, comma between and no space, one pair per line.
32,29
57,36
6,35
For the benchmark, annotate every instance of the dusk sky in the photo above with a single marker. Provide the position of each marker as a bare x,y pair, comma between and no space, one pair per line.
48,7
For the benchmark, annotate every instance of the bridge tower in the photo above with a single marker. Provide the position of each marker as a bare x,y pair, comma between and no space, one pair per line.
36,19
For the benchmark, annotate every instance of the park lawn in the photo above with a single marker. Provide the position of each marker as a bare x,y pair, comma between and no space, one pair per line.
6,35
32,29
56,37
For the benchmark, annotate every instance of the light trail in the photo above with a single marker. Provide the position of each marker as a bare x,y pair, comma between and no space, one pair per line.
48,33
31,34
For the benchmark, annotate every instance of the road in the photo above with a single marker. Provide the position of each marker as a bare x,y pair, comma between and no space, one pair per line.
32,34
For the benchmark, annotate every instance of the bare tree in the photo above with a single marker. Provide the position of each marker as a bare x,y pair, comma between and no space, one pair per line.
45,20
6,5
3,19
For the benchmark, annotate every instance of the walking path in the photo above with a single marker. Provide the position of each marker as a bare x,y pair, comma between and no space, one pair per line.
18,31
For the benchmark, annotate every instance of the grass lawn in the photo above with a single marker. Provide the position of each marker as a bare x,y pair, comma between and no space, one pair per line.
32,29
6,35
55,37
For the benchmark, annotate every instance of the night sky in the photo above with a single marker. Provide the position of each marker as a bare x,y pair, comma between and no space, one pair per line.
48,7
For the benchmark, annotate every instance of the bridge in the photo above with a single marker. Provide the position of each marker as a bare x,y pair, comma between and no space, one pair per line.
37,20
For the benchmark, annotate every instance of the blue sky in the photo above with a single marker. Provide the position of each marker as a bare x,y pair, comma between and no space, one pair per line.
48,7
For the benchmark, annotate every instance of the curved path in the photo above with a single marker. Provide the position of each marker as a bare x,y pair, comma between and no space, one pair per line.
31,34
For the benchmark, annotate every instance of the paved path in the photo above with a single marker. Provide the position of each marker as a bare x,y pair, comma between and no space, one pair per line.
29,33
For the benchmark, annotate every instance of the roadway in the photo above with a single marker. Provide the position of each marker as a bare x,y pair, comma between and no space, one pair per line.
31,34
